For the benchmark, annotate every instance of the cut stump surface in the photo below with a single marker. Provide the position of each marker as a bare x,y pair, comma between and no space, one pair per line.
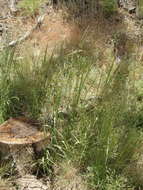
21,140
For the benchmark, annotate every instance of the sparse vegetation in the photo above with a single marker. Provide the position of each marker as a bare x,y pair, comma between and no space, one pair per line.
109,7
94,112
96,138
30,7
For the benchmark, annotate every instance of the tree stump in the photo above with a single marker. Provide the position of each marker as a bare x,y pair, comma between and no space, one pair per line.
22,141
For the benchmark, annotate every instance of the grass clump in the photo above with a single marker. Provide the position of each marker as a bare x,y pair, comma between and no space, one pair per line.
30,7
85,108
24,85
109,7
95,137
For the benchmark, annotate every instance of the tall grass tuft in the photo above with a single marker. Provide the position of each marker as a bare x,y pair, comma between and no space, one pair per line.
85,107
24,84
94,136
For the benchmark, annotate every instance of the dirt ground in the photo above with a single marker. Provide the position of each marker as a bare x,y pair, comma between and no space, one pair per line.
53,32
56,29
60,28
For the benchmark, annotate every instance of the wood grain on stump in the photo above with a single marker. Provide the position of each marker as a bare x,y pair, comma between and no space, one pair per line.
21,141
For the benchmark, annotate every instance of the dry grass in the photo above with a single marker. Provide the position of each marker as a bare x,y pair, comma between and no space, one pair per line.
68,177
6,185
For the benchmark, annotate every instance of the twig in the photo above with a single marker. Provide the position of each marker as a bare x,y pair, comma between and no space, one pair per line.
27,34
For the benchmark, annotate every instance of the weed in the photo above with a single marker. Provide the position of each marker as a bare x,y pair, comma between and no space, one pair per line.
30,7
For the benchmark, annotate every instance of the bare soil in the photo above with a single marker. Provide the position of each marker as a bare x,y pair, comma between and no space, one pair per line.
53,32
57,29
